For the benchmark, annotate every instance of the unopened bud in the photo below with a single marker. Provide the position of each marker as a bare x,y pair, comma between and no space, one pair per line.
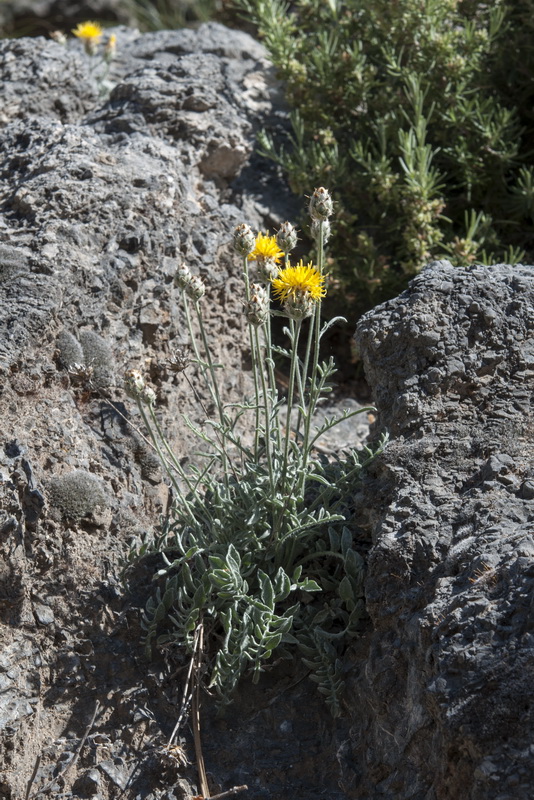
321,206
195,288
59,37
267,270
134,383
148,396
323,225
244,240
183,276
135,386
299,305
257,308
287,238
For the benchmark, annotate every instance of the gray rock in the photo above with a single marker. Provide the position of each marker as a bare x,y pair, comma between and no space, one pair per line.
18,683
43,614
104,190
442,704
117,773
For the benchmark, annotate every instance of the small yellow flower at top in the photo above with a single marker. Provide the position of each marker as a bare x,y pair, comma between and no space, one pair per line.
265,248
90,33
293,281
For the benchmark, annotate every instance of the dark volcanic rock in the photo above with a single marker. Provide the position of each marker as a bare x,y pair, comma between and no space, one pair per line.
104,189
443,705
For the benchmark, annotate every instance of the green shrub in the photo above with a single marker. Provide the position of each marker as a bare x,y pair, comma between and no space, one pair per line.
417,114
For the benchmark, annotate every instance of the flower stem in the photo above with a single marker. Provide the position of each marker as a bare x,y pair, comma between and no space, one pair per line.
268,414
164,462
216,393
270,369
295,326
316,333
255,357
200,361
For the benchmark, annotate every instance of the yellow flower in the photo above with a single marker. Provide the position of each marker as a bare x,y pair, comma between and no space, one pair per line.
292,281
89,32
266,247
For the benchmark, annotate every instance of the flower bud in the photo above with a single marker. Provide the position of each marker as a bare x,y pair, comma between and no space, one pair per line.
286,238
195,289
59,37
134,383
299,305
316,228
257,308
182,277
321,206
267,270
148,396
135,386
244,240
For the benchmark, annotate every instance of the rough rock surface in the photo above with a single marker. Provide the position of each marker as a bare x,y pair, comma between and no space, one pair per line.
100,198
442,700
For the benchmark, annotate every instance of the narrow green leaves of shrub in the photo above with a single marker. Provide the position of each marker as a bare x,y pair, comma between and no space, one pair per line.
419,116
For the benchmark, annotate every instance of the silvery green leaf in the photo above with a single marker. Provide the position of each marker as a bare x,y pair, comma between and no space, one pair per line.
329,324
345,590
354,564
288,638
282,585
233,559
267,590
335,539
346,540
309,585
272,643
282,624
187,578
296,576
217,563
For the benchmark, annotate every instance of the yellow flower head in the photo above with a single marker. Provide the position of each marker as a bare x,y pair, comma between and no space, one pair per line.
266,247
88,31
293,281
